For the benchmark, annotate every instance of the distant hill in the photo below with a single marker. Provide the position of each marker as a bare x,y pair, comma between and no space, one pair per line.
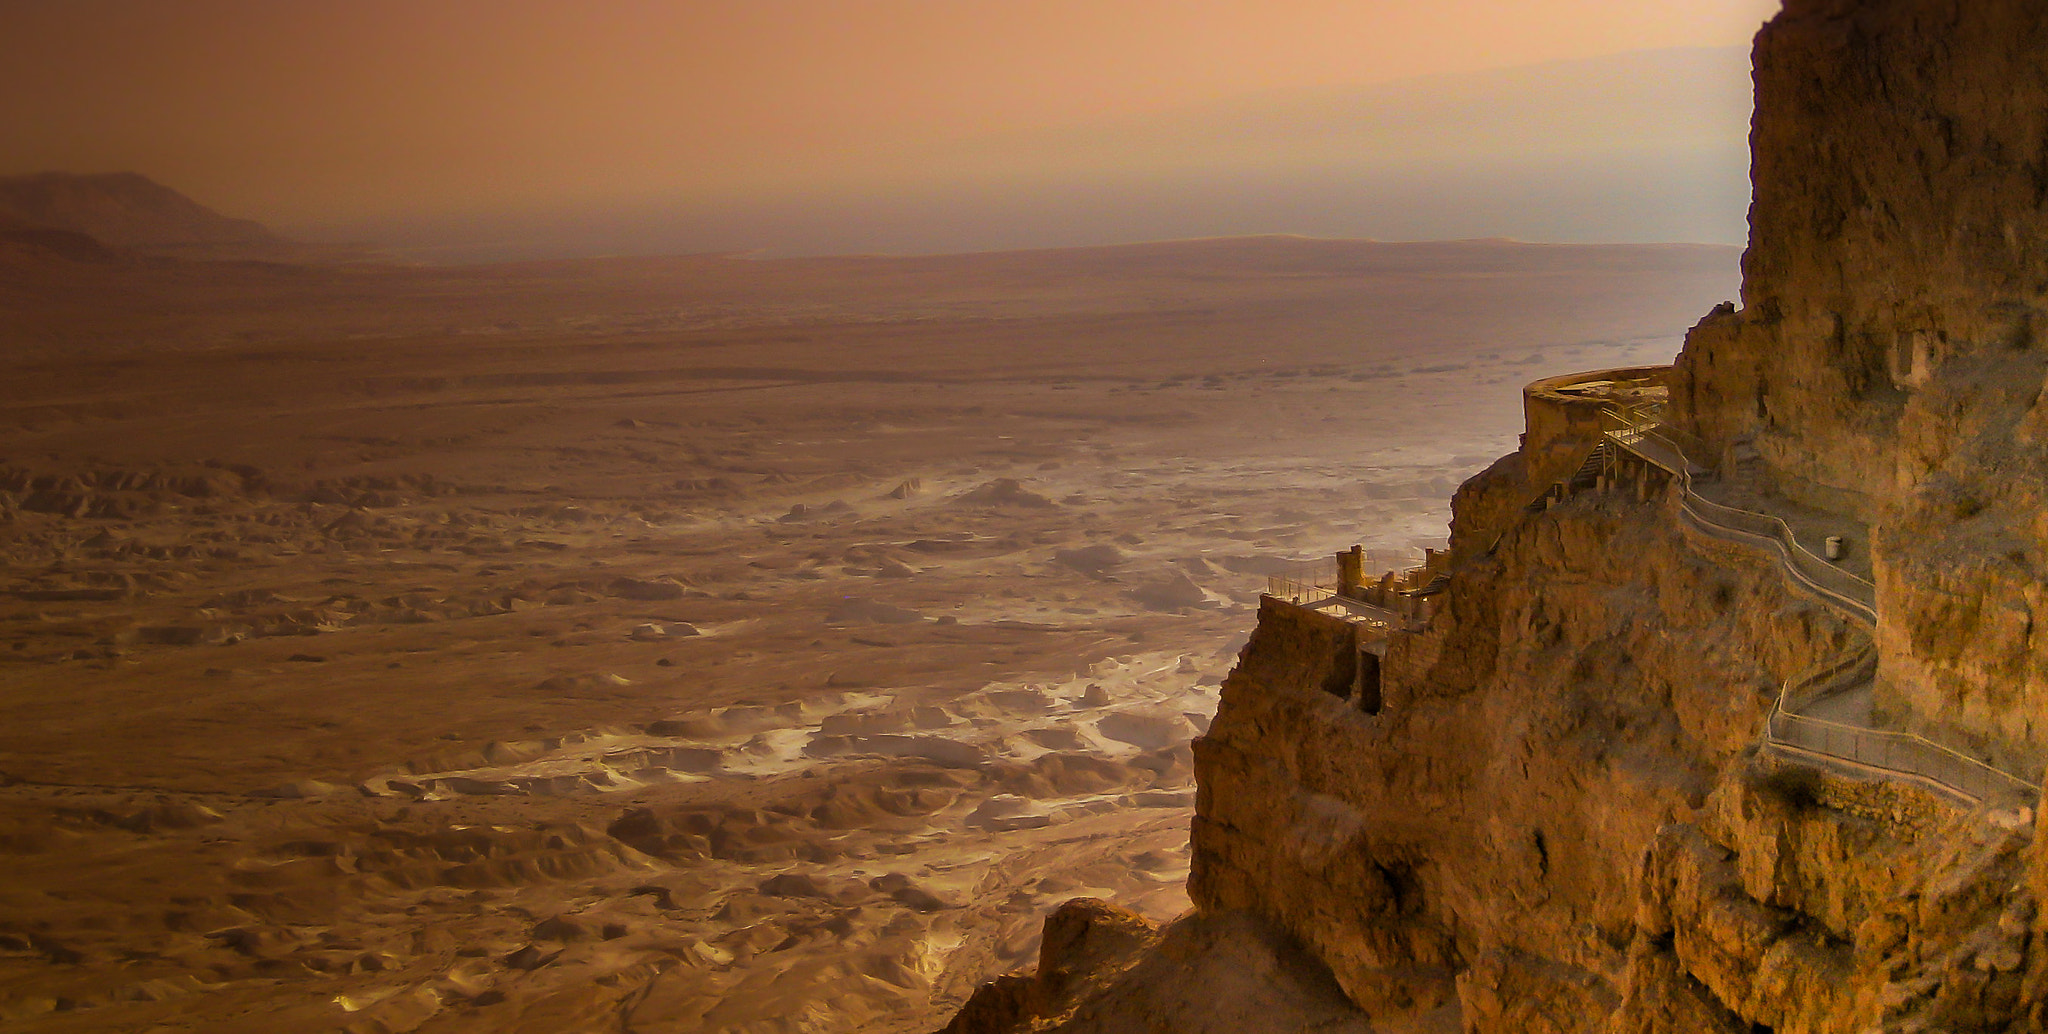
126,210
71,215
19,237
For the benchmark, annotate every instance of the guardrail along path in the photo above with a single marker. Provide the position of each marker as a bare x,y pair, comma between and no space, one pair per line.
1791,731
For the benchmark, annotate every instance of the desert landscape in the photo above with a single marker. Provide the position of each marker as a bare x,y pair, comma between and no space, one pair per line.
690,643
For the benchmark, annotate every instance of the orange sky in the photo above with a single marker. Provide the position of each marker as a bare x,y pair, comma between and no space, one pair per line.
304,110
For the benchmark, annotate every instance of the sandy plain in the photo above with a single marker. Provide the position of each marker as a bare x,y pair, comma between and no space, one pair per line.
683,644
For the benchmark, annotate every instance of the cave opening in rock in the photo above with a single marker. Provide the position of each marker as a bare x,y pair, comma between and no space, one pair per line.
1404,888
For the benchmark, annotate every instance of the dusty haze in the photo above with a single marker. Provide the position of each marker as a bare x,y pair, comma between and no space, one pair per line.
894,125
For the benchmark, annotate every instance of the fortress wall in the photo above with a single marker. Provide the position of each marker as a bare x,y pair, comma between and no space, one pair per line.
1561,425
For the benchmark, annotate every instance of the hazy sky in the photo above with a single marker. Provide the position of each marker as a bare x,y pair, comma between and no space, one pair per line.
291,109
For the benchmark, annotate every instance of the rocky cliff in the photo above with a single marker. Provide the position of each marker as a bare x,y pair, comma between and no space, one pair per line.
1889,357
1900,152
1553,809
1559,820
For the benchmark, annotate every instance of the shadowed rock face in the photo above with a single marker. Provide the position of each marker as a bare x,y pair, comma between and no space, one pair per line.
1889,358
1105,970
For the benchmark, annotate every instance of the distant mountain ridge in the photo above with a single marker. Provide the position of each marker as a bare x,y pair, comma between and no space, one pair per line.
93,217
124,209
21,236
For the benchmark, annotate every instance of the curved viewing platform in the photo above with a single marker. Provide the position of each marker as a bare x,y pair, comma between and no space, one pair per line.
1567,408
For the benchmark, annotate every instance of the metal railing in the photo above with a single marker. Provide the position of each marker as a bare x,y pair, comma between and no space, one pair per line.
1305,581
1881,752
1876,751
1851,594
1846,592
1827,678
1313,583
1894,754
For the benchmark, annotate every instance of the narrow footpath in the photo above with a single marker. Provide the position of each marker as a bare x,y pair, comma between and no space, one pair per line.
1825,717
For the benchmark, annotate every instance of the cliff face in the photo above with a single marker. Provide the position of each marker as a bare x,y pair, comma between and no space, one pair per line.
1489,820
1890,354
1900,154
1558,820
